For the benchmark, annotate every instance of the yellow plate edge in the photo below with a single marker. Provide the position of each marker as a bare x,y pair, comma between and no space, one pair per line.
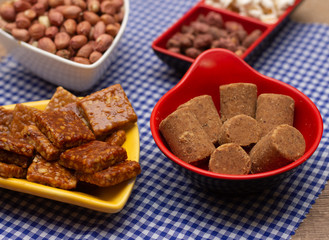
132,146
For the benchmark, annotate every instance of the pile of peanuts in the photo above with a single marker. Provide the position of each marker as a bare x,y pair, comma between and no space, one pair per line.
268,11
78,30
210,31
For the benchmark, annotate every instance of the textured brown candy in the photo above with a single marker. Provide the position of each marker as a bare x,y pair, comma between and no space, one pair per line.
117,138
6,116
12,144
11,170
205,111
237,98
63,128
113,175
50,174
61,98
92,157
280,147
41,143
14,158
108,109
22,116
230,158
185,136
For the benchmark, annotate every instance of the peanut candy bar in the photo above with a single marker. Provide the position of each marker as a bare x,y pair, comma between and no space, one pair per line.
22,116
113,175
108,109
61,98
11,170
6,116
12,144
14,158
50,174
92,157
64,128
41,143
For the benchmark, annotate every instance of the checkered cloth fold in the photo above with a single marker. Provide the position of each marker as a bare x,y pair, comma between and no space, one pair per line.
164,204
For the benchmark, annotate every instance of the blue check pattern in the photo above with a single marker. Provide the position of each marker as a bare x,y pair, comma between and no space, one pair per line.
164,204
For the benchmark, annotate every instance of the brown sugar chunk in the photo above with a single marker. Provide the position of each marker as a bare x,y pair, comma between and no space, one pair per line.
50,174
41,143
280,147
274,110
185,136
117,138
22,116
240,129
113,175
61,98
237,98
108,109
230,158
14,158
6,116
11,171
63,128
205,111
12,144
92,157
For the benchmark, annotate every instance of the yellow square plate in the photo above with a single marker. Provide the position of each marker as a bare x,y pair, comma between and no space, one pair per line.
108,199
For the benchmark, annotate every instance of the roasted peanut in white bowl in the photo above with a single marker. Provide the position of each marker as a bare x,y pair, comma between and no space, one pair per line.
47,59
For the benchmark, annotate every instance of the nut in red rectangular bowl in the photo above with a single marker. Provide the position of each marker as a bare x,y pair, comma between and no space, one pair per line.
180,61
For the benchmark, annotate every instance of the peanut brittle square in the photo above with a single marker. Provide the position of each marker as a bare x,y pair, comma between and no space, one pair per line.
63,128
112,175
12,144
50,174
6,116
107,109
61,98
11,170
92,157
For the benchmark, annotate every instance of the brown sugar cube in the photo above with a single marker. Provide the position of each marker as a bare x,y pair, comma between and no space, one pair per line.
274,110
237,98
14,158
61,98
108,109
22,116
11,171
230,158
185,136
63,128
280,147
117,138
6,116
92,157
205,111
12,144
240,129
50,174
41,143
113,175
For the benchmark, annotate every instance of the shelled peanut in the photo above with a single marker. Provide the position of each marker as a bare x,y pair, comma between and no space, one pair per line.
210,31
78,30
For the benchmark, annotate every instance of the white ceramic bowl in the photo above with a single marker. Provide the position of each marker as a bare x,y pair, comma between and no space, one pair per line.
58,70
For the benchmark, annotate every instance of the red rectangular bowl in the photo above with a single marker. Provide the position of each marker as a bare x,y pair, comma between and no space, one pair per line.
182,63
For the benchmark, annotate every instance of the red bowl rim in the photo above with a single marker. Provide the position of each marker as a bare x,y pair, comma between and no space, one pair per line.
157,135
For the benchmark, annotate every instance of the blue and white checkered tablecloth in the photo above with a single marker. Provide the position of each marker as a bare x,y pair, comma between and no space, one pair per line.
164,204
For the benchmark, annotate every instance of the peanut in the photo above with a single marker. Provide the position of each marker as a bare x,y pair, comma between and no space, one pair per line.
55,3
84,28
85,51
39,8
81,60
20,34
7,12
47,44
22,22
30,14
99,29
107,19
37,31
62,40
103,42
78,41
51,32
91,17
21,6
56,18
112,29
71,12
64,53
70,26
94,56
80,3
94,6
108,7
